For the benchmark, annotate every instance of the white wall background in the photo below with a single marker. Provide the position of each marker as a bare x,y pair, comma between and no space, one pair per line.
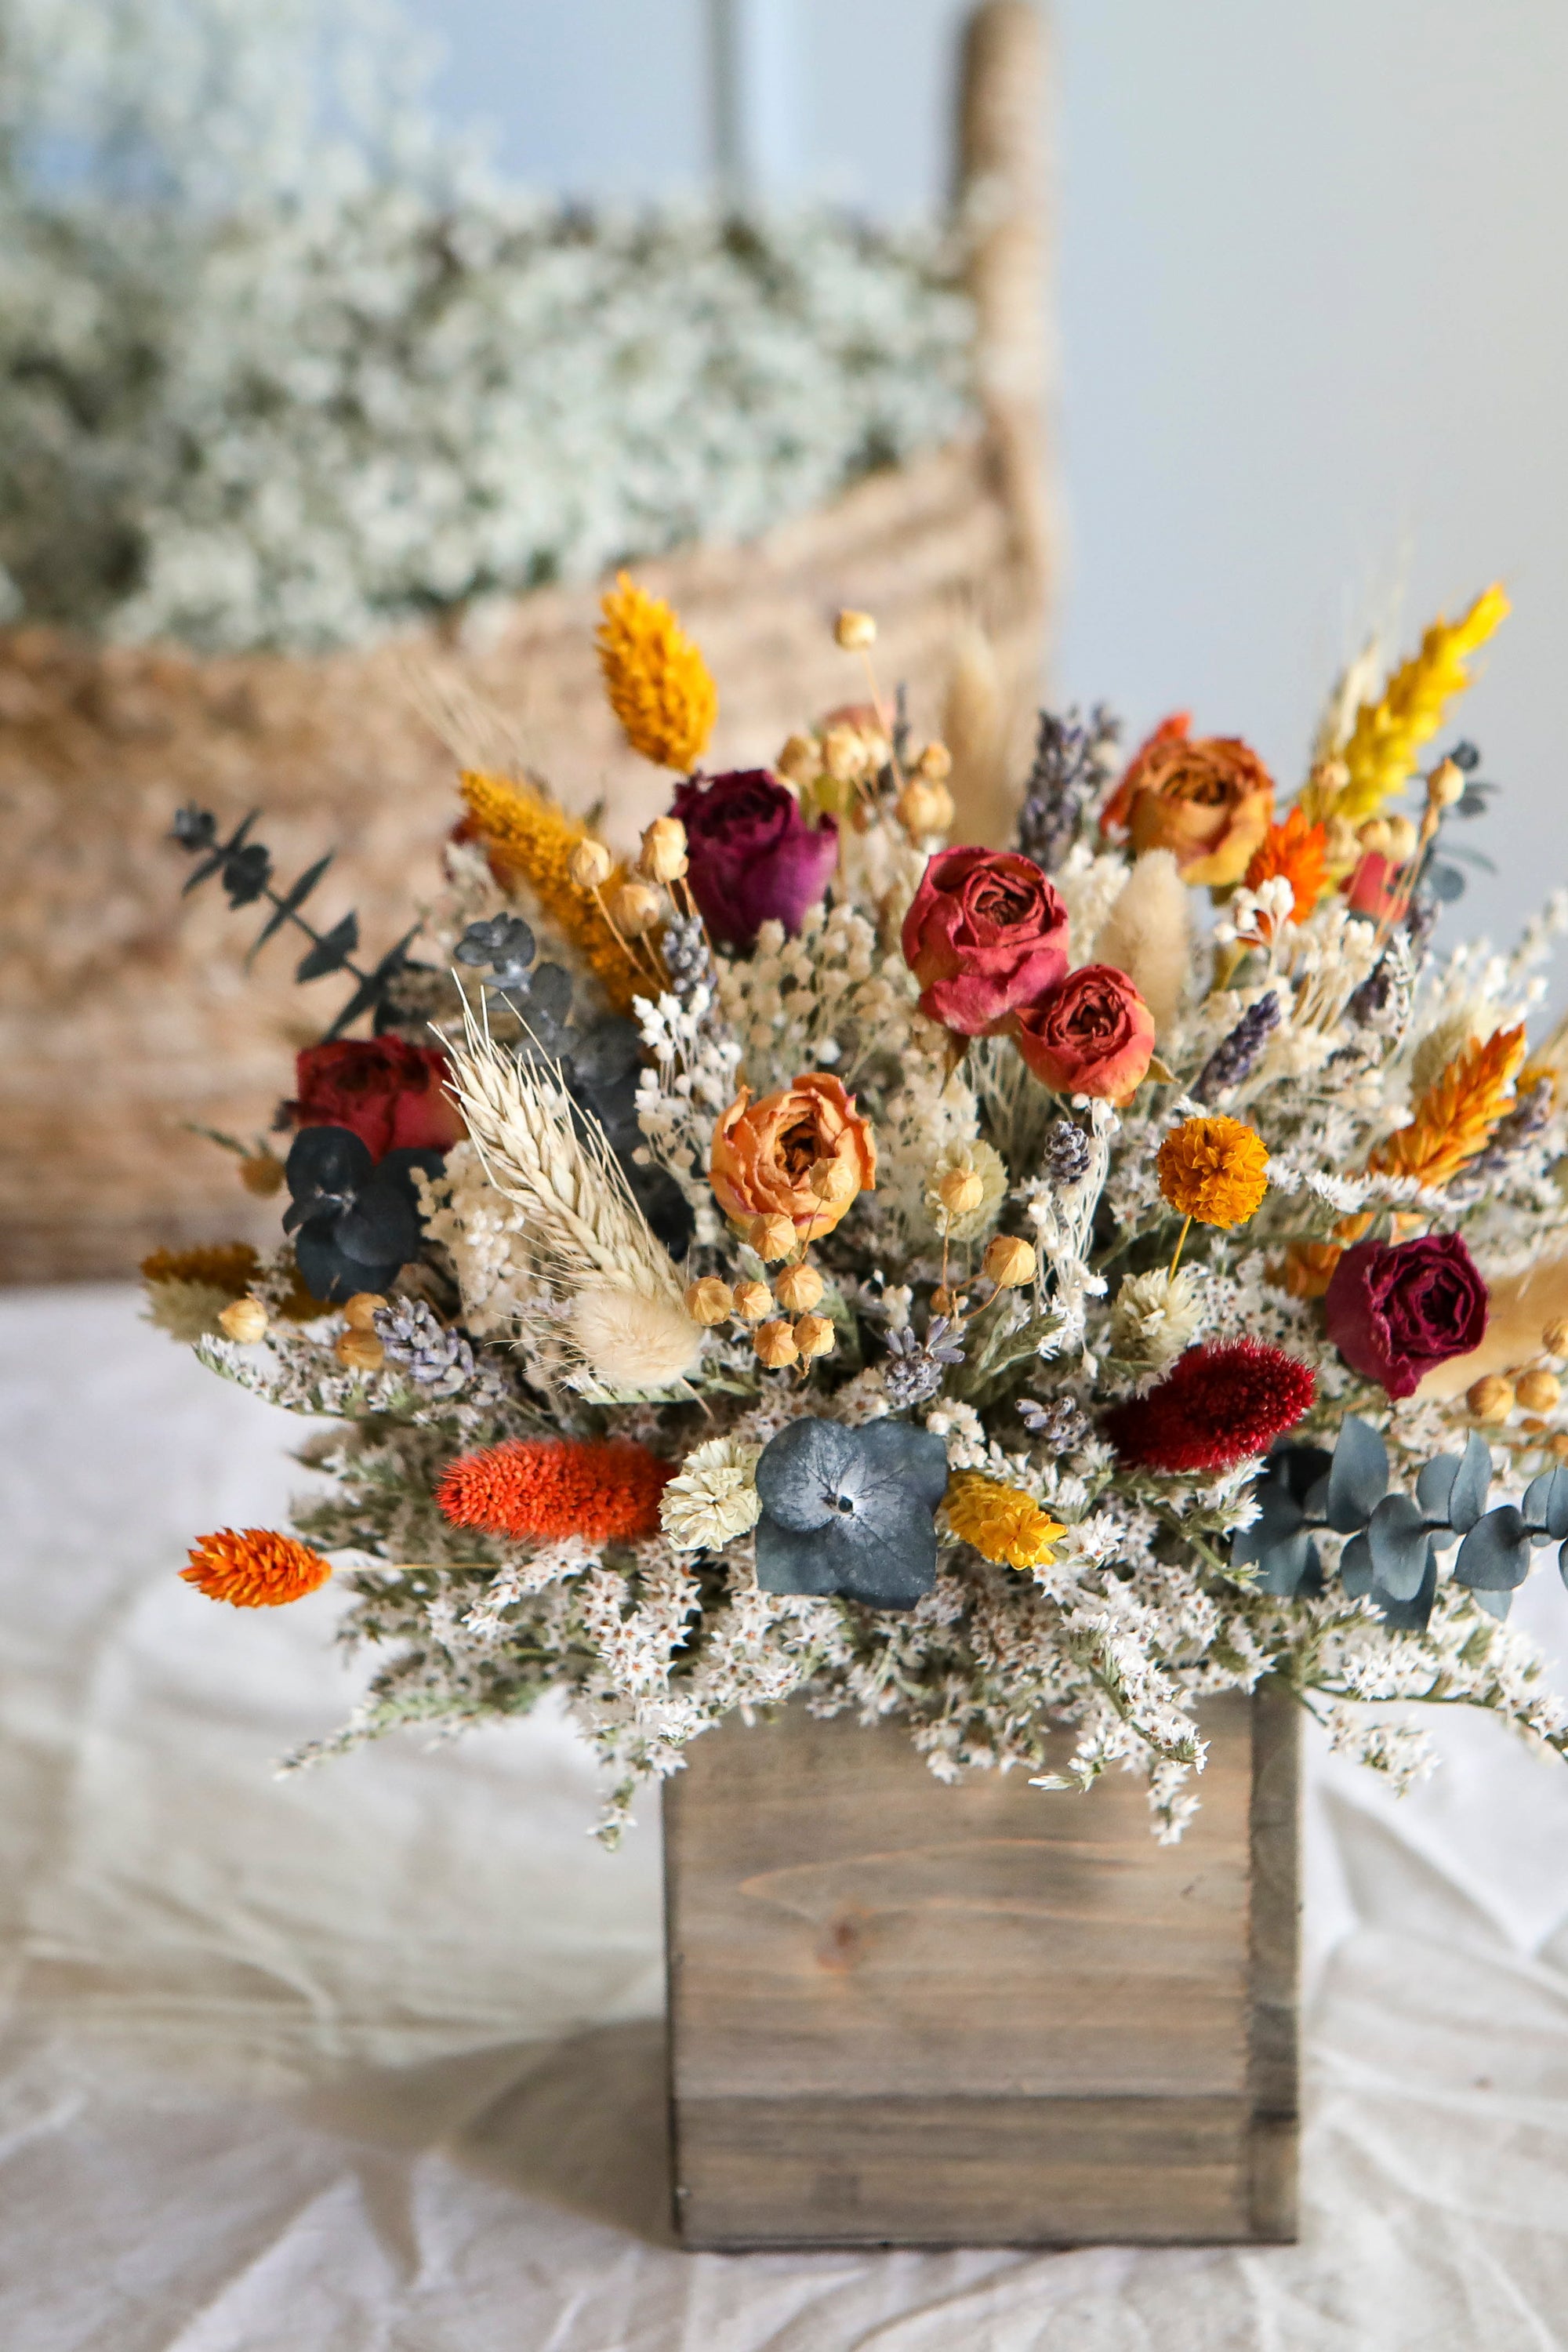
1313,319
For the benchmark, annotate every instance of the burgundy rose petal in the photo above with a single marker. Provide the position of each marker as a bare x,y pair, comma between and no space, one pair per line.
1398,1309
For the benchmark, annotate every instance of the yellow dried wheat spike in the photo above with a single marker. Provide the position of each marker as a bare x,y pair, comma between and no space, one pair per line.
658,683
1388,734
1455,1116
533,840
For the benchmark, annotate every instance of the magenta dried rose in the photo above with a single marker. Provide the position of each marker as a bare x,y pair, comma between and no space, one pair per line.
752,856
1398,1309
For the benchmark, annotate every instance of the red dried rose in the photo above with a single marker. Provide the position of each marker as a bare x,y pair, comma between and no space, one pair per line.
986,934
390,1094
1216,1406
1395,1310
1093,1035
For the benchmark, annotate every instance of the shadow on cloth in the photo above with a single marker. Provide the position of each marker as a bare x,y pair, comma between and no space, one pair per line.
579,2124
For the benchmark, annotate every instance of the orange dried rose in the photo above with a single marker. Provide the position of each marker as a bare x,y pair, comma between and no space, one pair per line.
1207,798
765,1154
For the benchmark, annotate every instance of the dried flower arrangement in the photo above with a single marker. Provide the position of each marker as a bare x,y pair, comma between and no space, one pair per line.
821,1258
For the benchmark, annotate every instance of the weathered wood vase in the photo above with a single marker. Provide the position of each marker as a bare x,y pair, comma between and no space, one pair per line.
909,2014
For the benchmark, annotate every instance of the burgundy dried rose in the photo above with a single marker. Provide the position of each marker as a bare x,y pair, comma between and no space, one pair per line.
1395,1310
1093,1035
390,1094
986,933
752,856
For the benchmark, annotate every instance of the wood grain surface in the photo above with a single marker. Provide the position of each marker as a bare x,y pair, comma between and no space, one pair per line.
907,2013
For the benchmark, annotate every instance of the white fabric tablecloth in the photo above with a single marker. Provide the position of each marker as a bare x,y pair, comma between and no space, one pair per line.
369,2060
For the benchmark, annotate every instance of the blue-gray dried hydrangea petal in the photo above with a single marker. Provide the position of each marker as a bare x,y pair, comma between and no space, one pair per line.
850,1512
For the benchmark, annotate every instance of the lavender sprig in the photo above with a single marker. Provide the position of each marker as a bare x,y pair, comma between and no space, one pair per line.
1062,1424
1238,1056
415,1338
1072,757
915,1369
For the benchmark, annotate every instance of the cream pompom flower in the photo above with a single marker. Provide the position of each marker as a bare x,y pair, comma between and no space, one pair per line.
1156,1317
712,1498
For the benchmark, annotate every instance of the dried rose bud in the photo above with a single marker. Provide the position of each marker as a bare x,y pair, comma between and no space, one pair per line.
663,855
1491,1398
360,1351
1445,785
246,1321
773,1238
1539,1391
1554,1339
800,761
1008,1262
775,1344
935,763
799,1287
709,1300
362,1308
635,908
261,1172
855,632
961,1191
591,865
925,808
753,1301
814,1336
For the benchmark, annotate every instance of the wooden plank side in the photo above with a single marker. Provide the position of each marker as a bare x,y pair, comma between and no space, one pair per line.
956,2003
961,2172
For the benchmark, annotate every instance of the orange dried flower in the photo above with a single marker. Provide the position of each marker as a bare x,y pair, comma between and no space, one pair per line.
527,837
1295,852
656,679
1215,1169
230,1266
1207,798
253,1569
805,1153
1455,1116
546,1487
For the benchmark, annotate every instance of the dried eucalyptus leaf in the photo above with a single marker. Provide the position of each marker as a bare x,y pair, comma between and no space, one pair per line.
1359,1478
1396,1538
1468,1496
1495,1554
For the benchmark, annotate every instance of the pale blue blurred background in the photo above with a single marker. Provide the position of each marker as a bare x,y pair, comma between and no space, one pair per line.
1311,309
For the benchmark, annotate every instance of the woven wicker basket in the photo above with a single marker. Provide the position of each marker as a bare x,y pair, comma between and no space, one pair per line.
125,1015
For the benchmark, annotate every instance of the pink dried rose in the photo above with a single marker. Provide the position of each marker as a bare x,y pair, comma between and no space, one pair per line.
986,933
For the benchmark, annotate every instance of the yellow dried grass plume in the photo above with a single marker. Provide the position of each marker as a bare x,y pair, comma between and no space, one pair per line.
1455,1118
1389,733
528,836
658,683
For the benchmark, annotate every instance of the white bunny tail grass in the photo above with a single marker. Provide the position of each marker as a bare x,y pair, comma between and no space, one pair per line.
1148,935
583,1228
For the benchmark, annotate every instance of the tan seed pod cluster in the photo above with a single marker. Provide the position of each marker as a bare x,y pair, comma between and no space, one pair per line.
935,763
244,1322
362,1308
833,1180
634,909
1008,1263
961,1191
710,1301
855,632
591,865
1491,1398
814,1336
1554,1339
1539,1391
753,1300
800,761
925,808
944,1300
773,1238
1445,785
663,855
360,1351
1402,839
846,755
775,1344
261,1172
799,1287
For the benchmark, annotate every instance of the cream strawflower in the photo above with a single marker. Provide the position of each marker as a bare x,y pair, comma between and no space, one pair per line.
712,1498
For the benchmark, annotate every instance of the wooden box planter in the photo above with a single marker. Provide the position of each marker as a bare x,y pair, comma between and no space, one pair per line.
909,2014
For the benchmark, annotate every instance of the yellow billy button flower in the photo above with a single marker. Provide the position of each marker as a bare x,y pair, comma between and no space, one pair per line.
1003,1523
1213,1170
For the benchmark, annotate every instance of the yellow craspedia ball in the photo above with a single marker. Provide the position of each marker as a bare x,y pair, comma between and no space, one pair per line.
1215,1169
1003,1524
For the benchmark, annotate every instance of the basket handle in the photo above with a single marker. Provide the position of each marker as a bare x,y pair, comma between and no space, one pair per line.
1001,195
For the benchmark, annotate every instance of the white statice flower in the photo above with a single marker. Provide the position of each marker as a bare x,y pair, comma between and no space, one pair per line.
1155,1316
1402,1753
712,1498
977,1159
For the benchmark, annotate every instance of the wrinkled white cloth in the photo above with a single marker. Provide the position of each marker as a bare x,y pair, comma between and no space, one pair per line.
369,2060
